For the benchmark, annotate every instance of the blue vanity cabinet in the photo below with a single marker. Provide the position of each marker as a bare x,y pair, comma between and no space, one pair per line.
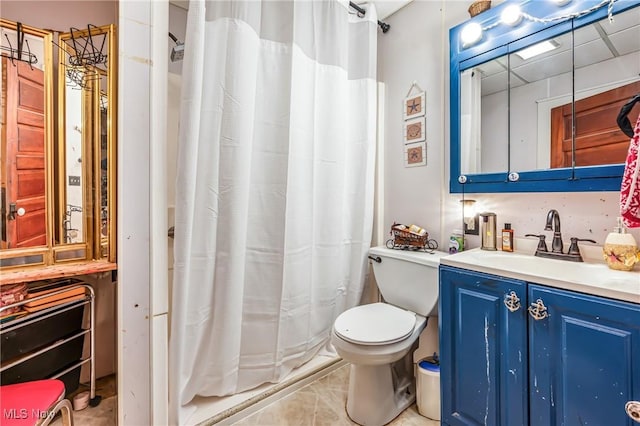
584,359
555,358
483,349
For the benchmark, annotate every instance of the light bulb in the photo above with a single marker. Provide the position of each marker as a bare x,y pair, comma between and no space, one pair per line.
511,15
471,33
537,49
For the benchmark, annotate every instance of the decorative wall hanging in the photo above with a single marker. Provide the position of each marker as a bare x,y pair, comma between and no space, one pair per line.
414,105
414,130
84,55
22,52
415,154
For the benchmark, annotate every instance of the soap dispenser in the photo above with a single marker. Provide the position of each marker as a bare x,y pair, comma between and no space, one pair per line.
620,250
488,231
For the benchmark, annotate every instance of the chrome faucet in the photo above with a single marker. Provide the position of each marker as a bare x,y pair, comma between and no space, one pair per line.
554,217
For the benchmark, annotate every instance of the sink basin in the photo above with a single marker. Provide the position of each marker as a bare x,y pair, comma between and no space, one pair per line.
521,262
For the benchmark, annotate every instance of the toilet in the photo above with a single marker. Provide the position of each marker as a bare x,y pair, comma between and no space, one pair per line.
379,339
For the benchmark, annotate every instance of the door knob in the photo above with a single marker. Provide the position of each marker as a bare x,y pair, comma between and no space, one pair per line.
14,210
633,410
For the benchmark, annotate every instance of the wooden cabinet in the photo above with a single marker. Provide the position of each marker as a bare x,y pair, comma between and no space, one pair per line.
482,349
577,363
584,359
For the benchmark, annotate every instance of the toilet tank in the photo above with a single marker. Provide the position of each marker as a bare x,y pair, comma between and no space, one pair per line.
408,279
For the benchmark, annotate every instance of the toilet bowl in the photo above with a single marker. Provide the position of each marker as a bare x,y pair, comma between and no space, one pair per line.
376,345
379,339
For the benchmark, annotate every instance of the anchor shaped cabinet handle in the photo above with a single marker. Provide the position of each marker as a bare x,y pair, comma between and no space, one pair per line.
537,310
512,301
633,410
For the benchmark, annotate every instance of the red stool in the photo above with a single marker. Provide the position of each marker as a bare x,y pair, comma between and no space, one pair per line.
34,403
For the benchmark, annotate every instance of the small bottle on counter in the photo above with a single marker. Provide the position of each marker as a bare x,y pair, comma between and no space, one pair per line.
507,238
456,241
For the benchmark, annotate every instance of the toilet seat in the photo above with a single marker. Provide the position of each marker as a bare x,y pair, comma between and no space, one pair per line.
375,324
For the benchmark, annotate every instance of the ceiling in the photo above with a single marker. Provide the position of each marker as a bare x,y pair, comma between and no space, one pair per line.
595,43
385,8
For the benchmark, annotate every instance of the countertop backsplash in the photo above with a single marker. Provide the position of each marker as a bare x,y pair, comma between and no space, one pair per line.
582,214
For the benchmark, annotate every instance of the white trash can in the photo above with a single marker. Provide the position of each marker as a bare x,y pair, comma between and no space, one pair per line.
428,387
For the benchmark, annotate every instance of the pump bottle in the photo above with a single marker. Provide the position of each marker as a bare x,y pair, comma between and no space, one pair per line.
620,250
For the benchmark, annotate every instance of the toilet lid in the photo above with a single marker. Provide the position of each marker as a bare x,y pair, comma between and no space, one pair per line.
375,324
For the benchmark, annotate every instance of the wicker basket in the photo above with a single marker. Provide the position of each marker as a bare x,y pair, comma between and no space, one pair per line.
405,240
479,7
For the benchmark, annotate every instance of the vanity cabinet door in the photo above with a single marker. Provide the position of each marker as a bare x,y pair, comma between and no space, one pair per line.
584,359
483,349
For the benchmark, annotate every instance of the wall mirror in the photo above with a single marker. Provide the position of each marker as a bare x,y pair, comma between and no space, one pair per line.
57,165
86,178
524,120
25,147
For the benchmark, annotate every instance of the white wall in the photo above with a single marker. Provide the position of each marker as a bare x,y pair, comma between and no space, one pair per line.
412,51
142,214
417,48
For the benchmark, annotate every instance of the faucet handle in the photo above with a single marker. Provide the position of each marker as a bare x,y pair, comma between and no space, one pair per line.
542,244
573,248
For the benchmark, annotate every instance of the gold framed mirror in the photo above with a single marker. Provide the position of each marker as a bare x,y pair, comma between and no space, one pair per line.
26,169
86,150
58,198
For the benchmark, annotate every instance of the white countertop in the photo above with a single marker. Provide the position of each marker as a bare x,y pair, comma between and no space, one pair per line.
592,276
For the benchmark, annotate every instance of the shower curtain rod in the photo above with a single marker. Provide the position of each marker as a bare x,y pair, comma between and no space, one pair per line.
383,25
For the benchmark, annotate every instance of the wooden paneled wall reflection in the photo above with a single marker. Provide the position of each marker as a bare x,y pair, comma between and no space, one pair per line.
24,182
598,139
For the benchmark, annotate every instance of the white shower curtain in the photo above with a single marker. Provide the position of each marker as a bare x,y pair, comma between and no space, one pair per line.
471,121
274,195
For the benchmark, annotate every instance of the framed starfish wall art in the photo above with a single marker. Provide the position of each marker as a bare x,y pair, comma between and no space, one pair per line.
414,105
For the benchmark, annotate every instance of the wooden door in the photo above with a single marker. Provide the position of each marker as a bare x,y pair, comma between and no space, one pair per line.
25,155
483,350
599,141
584,359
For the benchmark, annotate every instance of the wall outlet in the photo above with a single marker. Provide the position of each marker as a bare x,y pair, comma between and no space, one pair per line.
74,180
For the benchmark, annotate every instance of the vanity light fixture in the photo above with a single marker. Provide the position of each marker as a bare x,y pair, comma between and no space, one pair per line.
511,15
471,33
537,49
471,219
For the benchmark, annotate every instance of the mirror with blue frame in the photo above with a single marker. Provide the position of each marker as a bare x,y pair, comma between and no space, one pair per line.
534,104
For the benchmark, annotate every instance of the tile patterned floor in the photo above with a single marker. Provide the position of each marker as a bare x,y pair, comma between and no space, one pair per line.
104,414
322,403
317,404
